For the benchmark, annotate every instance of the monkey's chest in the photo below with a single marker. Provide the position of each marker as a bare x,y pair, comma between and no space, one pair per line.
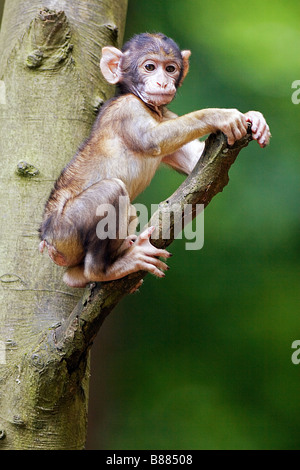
137,173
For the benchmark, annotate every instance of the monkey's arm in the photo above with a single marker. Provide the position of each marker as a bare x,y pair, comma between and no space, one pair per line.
147,134
170,136
185,159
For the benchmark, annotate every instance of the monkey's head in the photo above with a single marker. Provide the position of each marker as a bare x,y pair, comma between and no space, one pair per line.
149,65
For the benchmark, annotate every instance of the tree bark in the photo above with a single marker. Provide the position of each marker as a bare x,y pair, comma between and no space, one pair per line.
50,91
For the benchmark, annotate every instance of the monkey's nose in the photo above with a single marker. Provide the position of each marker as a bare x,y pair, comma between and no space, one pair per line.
162,85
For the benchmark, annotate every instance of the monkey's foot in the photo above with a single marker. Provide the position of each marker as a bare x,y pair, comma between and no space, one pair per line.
74,277
146,257
128,242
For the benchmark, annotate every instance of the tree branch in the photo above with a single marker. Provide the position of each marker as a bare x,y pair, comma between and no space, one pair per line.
74,338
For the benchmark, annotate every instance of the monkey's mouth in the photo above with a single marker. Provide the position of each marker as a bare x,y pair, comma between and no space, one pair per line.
155,98
159,99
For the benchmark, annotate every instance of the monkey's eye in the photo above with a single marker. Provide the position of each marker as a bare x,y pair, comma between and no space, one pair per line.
150,67
170,68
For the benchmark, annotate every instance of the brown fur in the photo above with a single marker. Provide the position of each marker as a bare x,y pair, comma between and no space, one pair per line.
132,135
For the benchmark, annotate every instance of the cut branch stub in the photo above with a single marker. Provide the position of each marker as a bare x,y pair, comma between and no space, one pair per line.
49,40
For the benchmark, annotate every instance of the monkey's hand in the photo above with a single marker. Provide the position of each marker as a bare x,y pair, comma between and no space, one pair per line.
146,257
259,127
229,121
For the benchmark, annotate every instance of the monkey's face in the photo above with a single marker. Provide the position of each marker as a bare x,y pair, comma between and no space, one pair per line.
150,65
158,79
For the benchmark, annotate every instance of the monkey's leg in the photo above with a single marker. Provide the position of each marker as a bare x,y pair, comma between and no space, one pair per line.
112,254
103,216
76,276
140,256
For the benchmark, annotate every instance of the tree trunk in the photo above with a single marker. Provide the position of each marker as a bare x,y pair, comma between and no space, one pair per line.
50,91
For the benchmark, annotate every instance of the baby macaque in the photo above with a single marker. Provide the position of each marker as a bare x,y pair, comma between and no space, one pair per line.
133,134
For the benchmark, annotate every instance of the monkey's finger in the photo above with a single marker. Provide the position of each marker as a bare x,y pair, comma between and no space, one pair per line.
259,134
148,232
257,120
157,262
256,126
144,243
264,131
266,137
242,125
161,253
151,268
262,134
229,132
239,127
150,250
238,132
254,119
145,235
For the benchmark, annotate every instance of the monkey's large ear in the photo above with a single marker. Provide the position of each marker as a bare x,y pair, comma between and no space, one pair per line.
109,64
185,57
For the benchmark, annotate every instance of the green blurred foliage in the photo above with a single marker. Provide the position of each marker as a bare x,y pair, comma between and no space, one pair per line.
202,358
